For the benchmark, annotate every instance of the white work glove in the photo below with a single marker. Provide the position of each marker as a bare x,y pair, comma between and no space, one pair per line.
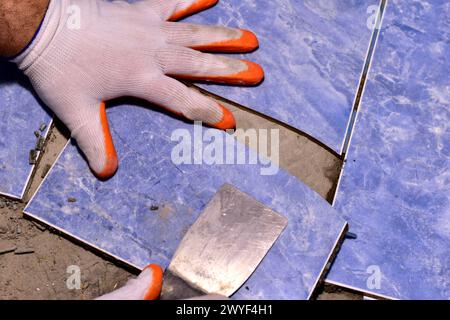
90,51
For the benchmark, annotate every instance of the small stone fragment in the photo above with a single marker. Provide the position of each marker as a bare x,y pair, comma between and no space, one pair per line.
3,229
72,199
154,208
33,157
6,248
42,127
40,144
37,134
39,226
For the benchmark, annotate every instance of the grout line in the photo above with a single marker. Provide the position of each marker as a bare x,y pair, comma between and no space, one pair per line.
362,74
361,90
363,78
351,129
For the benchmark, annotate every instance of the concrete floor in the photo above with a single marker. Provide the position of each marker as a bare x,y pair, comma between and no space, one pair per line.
42,274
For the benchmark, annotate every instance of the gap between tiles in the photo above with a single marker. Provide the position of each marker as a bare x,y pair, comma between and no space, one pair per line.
363,78
54,144
302,156
359,95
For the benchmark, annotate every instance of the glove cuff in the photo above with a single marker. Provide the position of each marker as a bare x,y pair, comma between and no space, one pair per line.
43,35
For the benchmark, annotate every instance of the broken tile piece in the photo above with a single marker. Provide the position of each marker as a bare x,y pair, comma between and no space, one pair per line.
114,215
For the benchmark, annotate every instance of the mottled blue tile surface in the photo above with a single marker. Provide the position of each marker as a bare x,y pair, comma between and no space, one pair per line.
313,53
20,115
142,213
395,190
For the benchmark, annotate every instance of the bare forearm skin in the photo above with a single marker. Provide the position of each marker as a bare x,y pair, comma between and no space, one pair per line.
19,20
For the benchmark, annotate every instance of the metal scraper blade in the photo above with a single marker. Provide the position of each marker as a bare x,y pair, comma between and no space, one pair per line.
223,247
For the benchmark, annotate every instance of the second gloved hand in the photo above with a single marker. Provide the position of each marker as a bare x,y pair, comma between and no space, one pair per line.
90,51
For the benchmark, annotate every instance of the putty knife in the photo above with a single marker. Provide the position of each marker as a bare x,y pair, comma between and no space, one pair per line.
223,247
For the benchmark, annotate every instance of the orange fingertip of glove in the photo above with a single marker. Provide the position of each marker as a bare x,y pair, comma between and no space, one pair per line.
193,8
227,121
112,162
154,290
253,75
246,43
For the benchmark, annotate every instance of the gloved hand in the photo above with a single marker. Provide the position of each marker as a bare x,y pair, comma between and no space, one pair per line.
90,51
147,286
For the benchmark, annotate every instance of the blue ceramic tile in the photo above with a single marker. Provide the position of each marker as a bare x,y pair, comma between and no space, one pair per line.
313,53
21,114
395,191
142,213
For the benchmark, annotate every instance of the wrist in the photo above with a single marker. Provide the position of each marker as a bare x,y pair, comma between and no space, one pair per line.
19,22
43,35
